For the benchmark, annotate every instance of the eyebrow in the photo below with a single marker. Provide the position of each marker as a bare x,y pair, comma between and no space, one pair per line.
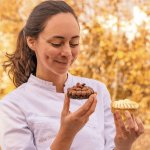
61,37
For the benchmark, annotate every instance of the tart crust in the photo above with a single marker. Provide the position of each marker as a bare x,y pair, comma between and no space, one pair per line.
123,105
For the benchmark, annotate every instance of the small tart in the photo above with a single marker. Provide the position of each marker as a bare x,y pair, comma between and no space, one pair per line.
123,105
80,91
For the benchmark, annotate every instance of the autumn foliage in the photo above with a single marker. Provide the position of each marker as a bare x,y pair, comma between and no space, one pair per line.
106,52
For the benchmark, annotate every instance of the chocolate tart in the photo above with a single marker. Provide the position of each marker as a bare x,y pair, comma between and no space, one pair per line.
80,91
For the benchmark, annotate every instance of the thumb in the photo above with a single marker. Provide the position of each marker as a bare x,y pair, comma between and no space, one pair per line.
66,104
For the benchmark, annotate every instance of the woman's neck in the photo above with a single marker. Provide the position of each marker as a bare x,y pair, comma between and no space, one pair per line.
57,80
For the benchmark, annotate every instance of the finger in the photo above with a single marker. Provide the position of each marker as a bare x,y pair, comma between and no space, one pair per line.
140,129
133,118
66,105
120,122
130,122
136,127
91,109
81,111
118,131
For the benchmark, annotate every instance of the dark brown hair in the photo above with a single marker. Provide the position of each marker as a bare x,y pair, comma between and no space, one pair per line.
23,61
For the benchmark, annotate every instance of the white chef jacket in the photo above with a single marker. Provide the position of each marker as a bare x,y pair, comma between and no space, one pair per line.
30,117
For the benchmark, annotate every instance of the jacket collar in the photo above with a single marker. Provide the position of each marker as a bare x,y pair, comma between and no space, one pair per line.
49,85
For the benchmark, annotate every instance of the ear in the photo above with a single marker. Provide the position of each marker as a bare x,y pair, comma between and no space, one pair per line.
31,43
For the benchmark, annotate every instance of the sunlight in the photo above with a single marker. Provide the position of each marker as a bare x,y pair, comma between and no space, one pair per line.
139,16
128,27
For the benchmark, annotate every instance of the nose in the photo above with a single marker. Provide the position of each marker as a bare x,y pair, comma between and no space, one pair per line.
66,51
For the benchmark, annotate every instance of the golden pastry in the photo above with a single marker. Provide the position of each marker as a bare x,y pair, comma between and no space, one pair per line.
123,105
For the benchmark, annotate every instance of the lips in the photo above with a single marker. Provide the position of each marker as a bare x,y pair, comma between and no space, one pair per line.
61,62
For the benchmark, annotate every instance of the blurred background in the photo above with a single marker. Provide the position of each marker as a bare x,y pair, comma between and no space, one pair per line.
114,48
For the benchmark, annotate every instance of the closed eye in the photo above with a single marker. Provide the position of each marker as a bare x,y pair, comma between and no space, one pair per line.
74,44
58,45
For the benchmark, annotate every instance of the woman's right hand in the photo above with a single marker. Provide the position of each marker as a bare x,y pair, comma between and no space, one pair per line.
72,123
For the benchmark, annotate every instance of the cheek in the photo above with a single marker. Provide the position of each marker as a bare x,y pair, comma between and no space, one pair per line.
75,53
51,53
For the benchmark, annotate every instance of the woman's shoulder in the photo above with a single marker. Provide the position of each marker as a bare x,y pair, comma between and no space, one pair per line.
15,94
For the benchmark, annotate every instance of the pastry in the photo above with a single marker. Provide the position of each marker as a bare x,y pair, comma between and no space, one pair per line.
80,91
123,105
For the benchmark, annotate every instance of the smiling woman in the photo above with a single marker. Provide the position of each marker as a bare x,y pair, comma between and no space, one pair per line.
38,115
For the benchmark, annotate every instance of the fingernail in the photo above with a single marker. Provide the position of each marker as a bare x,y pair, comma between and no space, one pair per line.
126,112
138,119
117,111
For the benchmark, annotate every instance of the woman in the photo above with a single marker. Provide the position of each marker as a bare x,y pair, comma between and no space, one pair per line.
34,115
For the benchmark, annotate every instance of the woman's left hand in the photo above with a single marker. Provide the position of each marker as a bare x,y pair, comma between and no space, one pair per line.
125,136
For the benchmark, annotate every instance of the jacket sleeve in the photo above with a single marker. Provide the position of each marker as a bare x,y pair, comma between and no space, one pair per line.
14,131
109,125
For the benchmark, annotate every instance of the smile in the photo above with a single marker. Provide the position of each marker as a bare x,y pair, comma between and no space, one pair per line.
62,62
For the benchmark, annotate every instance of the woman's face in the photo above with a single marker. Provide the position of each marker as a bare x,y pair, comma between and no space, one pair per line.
57,46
